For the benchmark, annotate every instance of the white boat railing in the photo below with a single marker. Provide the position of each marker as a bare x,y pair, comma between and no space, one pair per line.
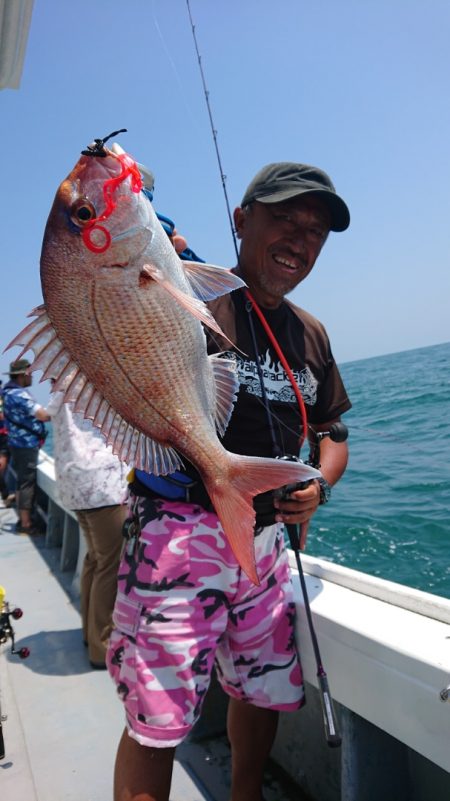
386,650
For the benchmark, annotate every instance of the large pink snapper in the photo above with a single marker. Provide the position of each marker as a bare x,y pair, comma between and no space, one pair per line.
121,335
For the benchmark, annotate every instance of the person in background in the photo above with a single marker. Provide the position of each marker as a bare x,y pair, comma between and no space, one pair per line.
91,482
4,455
24,420
183,603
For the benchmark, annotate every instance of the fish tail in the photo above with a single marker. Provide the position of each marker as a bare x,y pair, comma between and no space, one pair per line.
233,499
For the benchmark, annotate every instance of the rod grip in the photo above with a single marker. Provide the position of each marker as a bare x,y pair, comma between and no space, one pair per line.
332,733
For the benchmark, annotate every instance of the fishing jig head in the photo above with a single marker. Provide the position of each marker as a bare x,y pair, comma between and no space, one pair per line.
97,148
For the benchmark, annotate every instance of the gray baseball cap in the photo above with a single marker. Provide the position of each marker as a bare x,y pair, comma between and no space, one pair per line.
286,179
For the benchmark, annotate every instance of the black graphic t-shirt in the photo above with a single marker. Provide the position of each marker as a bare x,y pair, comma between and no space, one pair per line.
306,347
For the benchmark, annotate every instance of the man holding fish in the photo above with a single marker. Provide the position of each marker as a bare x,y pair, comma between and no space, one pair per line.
202,581
283,222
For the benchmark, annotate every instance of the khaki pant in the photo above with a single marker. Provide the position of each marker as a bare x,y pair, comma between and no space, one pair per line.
102,529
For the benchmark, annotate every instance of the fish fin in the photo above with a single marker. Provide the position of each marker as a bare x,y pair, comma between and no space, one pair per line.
129,444
227,387
121,431
49,349
29,336
165,460
107,426
84,398
100,414
56,367
233,503
136,449
65,377
191,304
208,281
38,310
52,357
153,457
75,389
50,354
93,406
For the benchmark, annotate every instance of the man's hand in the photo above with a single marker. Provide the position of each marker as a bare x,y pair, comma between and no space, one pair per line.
178,241
302,504
42,415
298,508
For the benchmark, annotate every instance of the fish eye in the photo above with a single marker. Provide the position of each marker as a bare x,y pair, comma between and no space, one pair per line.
82,212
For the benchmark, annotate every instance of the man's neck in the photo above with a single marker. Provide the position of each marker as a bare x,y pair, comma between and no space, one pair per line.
263,299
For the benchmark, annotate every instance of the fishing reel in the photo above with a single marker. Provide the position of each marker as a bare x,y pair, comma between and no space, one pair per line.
283,493
6,629
338,432
263,503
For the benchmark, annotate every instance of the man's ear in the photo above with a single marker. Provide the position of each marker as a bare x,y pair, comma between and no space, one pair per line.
239,221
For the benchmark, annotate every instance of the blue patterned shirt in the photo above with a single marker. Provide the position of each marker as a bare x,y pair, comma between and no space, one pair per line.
19,407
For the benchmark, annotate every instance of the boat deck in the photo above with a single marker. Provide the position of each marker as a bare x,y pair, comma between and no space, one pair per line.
63,718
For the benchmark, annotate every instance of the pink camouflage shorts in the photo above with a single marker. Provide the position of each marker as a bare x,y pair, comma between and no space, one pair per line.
183,604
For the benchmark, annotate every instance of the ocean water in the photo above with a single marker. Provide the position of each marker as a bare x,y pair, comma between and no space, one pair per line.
390,513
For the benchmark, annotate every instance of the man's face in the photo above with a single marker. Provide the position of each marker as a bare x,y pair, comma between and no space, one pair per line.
24,379
280,244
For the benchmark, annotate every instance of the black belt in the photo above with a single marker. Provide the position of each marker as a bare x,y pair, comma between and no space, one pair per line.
196,493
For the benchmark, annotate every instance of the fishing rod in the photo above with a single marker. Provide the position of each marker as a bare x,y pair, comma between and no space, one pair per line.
223,177
338,432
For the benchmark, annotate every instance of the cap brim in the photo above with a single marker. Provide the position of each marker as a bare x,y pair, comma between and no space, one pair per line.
339,213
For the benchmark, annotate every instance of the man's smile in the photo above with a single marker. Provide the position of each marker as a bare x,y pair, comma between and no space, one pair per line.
291,265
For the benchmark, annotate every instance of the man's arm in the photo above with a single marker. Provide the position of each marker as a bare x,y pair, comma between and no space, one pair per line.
41,414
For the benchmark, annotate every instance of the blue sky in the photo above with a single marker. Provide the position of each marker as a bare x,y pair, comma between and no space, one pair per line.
359,88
